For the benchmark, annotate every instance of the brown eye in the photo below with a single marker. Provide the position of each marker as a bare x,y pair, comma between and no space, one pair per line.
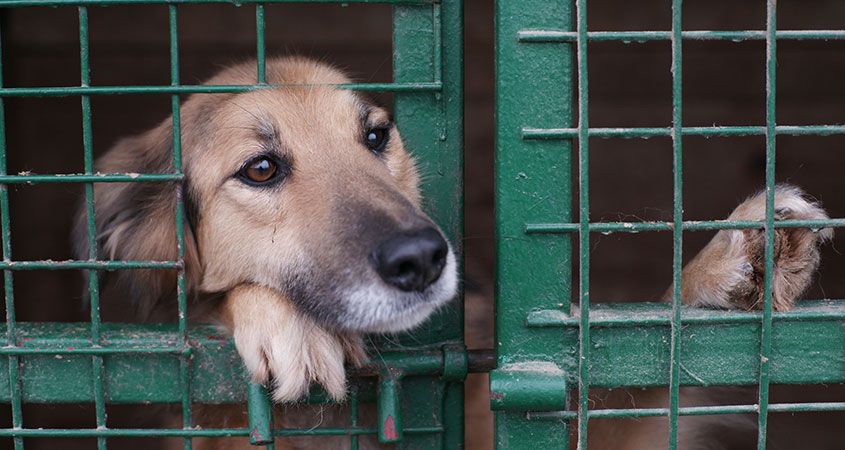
260,171
376,139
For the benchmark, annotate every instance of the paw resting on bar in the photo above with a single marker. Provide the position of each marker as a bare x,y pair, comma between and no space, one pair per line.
278,343
729,272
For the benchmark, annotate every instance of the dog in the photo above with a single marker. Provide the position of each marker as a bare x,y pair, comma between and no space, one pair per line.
303,228
304,231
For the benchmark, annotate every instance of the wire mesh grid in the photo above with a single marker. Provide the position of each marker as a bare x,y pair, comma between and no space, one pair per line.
522,39
204,367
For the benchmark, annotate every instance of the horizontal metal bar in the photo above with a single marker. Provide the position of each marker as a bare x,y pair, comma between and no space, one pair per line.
692,225
76,264
478,361
67,91
619,413
554,36
27,178
646,314
628,344
70,350
22,3
716,131
115,432
195,432
142,364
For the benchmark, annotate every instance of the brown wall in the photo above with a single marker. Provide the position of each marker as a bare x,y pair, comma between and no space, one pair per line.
630,85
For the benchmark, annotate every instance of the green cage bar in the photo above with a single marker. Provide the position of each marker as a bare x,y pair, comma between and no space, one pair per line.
583,223
14,372
551,36
91,228
184,364
640,344
533,271
677,223
771,139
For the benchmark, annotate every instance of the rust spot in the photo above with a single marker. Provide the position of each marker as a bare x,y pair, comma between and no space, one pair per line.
390,429
255,435
497,395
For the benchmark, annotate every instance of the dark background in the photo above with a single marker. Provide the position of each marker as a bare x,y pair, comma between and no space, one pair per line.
630,86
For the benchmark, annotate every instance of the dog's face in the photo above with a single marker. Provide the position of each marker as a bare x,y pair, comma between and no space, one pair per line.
310,191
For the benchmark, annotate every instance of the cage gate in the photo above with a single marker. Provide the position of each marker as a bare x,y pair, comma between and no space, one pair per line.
550,350
417,381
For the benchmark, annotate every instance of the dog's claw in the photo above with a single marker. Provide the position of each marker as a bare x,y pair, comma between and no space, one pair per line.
729,272
277,342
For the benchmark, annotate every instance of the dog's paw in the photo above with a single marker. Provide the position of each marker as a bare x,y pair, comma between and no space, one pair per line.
729,272
278,343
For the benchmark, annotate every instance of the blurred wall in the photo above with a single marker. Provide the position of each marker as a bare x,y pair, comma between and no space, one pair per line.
630,85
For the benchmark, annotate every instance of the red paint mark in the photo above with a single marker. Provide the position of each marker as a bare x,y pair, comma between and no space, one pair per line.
255,435
390,429
218,338
70,349
497,395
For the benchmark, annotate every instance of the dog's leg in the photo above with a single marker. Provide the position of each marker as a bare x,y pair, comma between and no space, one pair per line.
728,272
276,341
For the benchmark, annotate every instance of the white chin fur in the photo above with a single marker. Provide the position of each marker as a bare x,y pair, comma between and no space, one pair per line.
378,308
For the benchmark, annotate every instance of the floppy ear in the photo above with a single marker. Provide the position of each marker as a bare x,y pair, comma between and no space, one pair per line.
137,221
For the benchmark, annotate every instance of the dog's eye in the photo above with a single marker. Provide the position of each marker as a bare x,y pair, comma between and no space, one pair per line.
376,139
260,170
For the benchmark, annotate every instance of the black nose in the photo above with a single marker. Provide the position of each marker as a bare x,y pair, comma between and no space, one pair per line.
411,261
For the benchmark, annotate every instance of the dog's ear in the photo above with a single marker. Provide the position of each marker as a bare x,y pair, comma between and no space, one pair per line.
137,221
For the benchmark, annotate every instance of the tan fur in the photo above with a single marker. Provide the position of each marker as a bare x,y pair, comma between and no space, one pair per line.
728,273
284,268
273,338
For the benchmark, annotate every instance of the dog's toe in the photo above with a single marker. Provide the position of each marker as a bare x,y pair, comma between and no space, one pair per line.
277,342
796,250
730,271
253,354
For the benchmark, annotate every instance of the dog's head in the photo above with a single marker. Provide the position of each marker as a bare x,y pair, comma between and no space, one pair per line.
307,190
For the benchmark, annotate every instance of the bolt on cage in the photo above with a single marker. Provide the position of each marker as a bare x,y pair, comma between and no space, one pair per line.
104,363
547,346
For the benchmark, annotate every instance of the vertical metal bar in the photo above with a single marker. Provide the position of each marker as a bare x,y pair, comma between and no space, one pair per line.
8,285
260,412
437,60
389,408
534,87
677,229
423,118
584,225
353,417
93,278
437,45
766,327
260,44
184,362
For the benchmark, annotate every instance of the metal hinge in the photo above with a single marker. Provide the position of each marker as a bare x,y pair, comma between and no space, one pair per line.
528,386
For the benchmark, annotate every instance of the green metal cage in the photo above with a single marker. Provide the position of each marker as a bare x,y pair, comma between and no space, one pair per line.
551,350
185,364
